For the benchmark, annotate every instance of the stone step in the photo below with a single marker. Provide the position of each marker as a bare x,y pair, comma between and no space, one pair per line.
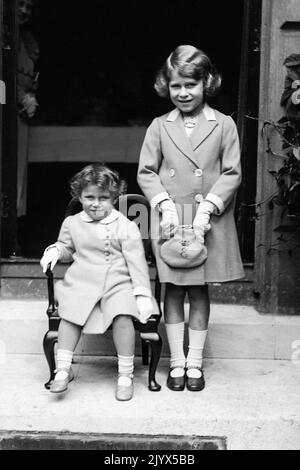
247,404
23,278
235,332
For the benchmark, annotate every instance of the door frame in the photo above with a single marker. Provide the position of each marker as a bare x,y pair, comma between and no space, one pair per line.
9,144
1,121
248,104
277,273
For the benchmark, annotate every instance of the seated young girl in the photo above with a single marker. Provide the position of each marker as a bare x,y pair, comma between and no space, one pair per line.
108,281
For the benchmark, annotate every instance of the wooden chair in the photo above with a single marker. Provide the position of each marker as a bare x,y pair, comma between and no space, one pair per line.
148,332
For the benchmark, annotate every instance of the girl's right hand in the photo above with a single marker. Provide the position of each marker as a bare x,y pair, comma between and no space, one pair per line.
202,219
170,220
50,257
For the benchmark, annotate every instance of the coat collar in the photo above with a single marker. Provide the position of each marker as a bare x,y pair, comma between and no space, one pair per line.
208,112
114,215
206,124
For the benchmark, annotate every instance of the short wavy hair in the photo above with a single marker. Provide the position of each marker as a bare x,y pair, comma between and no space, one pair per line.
188,61
99,175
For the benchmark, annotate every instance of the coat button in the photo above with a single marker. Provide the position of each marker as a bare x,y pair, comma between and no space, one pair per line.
198,172
172,172
199,198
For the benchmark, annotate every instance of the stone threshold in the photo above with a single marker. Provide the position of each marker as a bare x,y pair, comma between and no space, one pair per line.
25,440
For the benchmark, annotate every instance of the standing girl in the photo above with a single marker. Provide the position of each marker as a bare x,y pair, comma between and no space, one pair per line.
108,281
190,171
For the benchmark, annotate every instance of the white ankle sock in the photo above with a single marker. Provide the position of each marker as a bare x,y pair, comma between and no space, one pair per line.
175,335
125,370
177,372
195,355
64,361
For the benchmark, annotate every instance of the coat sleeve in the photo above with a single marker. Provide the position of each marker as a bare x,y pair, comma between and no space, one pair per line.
149,164
65,244
134,254
224,189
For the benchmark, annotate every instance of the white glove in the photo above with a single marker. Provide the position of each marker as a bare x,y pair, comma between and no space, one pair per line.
170,220
50,256
145,307
201,221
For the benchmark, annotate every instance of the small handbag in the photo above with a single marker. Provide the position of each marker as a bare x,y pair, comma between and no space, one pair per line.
184,249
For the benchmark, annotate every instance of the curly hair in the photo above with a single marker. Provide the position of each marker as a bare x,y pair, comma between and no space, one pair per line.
99,175
188,61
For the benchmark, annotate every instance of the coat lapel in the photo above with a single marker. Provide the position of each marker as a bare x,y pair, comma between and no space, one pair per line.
206,124
187,145
175,129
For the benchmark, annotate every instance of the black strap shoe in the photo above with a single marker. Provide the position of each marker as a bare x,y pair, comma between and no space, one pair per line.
176,384
195,384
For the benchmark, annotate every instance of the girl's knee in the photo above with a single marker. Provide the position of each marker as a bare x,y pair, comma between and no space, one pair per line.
198,293
122,321
175,291
66,325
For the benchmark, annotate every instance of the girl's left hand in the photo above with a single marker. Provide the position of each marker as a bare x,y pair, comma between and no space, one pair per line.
145,307
200,233
202,219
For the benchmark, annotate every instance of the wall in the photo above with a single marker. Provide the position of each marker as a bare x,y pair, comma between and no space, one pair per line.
277,276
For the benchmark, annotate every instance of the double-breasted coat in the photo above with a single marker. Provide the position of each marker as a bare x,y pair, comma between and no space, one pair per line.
188,169
109,269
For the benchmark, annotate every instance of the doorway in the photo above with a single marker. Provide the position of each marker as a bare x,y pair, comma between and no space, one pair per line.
97,65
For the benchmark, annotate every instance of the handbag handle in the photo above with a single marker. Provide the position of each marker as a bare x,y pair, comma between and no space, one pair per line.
185,226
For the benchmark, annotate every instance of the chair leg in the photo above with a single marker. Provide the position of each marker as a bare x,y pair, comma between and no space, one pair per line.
145,352
50,339
156,346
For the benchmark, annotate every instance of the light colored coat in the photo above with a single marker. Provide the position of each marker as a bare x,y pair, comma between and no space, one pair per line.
109,269
205,165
